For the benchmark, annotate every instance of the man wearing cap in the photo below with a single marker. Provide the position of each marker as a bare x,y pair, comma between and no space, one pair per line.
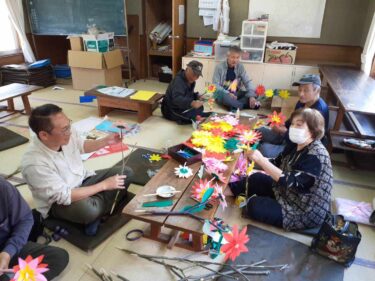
234,89
181,103
274,140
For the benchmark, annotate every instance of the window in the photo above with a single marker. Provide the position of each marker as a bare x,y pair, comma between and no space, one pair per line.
9,39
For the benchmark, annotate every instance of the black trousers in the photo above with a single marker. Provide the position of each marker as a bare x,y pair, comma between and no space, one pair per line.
56,258
263,207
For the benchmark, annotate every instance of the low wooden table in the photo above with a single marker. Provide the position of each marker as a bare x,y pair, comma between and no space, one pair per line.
108,103
177,224
11,91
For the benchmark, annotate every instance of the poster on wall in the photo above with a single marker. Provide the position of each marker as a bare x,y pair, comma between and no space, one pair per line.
290,18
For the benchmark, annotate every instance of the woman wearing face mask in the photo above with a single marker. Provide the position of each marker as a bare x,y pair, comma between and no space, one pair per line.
295,192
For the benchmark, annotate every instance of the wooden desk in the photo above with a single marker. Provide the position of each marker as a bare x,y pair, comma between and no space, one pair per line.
178,224
11,91
108,103
353,92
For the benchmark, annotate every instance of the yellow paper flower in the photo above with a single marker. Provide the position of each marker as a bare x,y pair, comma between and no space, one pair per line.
216,144
284,94
208,126
259,123
224,126
155,157
250,168
269,93
201,138
211,89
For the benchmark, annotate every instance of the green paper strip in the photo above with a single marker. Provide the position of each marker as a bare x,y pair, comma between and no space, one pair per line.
163,203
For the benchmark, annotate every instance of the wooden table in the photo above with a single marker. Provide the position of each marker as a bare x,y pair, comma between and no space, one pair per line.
353,93
11,91
108,103
177,224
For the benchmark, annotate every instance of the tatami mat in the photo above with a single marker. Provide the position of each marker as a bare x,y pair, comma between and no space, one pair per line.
156,133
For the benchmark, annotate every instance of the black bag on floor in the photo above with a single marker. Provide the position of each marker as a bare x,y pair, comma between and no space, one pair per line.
38,227
337,240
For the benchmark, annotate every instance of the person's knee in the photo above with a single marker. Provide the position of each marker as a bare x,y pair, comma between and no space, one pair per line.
89,210
128,172
57,260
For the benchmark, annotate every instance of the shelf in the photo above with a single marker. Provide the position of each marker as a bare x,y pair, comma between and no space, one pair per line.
253,49
152,52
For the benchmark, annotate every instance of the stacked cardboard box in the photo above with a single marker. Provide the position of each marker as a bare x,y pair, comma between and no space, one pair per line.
90,69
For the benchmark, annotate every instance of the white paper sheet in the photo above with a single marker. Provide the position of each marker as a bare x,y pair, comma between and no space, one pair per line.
86,125
181,14
117,91
207,4
206,12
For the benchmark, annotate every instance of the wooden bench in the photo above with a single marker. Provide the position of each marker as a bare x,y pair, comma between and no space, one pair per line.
11,91
108,103
352,93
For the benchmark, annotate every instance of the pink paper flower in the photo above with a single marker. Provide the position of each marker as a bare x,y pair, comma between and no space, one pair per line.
30,269
236,243
199,188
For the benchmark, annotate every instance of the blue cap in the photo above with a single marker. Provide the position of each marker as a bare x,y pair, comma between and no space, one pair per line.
309,79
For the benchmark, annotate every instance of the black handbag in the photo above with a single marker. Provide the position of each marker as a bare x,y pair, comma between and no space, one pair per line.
337,240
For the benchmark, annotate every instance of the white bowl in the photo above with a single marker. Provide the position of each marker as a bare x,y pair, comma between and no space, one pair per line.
165,191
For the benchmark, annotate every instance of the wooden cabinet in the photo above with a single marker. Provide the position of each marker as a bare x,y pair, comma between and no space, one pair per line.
277,76
255,72
301,70
157,11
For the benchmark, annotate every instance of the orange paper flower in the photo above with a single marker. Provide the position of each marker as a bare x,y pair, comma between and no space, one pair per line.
236,243
211,88
276,119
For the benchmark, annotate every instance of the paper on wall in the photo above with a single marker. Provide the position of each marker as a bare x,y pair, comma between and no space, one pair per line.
208,21
207,4
206,12
181,14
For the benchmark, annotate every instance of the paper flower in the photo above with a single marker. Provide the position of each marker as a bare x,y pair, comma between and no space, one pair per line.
218,156
200,187
30,269
250,137
250,168
201,138
208,126
259,123
216,144
236,243
230,119
276,119
155,157
284,94
211,103
215,164
231,144
211,88
183,171
269,93
233,86
221,196
260,90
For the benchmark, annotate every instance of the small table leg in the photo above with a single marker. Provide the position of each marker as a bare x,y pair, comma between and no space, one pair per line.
339,118
197,242
155,231
144,111
26,104
10,104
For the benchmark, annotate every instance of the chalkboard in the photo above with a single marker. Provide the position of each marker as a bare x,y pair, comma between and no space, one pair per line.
64,17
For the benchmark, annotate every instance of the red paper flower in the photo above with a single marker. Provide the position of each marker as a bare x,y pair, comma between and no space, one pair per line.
260,90
240,128
236,243
211,88
276,119
218,156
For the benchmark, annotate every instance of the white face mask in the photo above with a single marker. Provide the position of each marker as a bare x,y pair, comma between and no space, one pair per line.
298,135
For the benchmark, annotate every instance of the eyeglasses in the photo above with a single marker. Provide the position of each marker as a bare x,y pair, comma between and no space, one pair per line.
67,130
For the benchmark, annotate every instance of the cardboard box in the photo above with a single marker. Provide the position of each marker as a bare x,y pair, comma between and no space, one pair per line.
76,43
103,42
90,69
173,152
280,56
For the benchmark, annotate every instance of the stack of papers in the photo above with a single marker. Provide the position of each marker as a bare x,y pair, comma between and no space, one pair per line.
116,91
207,10
143,95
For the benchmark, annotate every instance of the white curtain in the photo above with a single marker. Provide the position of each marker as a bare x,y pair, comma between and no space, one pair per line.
369,49
15,11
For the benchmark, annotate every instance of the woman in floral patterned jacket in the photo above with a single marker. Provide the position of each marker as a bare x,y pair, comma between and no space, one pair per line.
295,190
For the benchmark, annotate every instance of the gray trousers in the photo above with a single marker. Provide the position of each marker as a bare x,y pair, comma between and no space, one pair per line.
242,101
90,209
272,143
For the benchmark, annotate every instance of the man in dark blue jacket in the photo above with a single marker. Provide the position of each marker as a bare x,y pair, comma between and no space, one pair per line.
274,140
181,103
16,221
